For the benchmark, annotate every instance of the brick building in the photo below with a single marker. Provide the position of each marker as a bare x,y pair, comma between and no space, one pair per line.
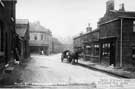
88,43
115,37
7,30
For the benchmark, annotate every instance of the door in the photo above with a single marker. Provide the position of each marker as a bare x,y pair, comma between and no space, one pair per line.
112,53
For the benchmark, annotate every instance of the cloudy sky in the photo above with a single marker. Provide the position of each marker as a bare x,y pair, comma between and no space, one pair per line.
66,18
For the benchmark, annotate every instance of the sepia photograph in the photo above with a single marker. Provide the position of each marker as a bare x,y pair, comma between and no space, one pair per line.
67,44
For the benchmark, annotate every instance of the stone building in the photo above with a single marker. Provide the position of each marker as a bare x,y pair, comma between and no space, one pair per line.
40,39
116,37
7,30
88,43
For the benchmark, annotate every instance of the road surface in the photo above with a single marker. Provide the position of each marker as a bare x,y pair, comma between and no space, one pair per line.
49,70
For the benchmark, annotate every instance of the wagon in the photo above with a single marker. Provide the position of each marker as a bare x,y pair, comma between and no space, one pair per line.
66,55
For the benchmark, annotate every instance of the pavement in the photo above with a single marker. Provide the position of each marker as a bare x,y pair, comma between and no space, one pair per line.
108,69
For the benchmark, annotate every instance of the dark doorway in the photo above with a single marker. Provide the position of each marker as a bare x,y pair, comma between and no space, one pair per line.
112,53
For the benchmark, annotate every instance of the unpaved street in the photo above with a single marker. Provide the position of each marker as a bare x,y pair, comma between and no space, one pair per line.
49,70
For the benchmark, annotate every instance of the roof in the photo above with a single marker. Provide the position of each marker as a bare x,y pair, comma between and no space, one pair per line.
113,14
22,21
96,30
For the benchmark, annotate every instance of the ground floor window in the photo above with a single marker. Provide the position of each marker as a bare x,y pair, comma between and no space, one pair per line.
96,50
88,49
133,53
106,49
1,38
133,26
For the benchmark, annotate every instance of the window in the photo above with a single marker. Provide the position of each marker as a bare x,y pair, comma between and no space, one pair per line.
88,50
35,37
133,26
96,50
106,49
1,38
42,37
133,53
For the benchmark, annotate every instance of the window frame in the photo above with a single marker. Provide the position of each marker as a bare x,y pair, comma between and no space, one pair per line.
134,26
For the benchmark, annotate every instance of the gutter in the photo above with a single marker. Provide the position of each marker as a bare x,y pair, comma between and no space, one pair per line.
120,17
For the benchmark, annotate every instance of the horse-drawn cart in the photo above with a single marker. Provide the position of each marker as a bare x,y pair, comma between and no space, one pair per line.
66,55
71,57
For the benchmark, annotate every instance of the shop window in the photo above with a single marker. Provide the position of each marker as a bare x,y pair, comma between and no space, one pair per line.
133,26
42,37
1,39
106,49
96,50
35,37
88,50
133,53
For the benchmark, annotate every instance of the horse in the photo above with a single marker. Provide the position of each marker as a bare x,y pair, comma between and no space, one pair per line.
74,57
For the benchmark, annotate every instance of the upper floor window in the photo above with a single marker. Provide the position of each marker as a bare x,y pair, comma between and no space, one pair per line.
35,37
1,38
42,37
133,26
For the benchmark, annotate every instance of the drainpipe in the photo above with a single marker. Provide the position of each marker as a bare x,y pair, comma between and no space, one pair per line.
121,28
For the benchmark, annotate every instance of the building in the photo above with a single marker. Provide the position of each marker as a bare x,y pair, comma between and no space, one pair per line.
22,30
7,30
114,37
40,39
88,43
117,35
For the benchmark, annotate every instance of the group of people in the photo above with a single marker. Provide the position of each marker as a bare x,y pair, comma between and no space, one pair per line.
71,57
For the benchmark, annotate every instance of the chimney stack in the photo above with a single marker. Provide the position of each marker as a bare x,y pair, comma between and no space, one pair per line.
109,5
122,8
89,28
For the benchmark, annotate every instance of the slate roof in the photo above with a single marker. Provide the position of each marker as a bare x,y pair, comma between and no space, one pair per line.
22,21
113,14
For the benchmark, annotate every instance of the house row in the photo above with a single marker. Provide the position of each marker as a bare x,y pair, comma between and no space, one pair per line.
12,36
113,42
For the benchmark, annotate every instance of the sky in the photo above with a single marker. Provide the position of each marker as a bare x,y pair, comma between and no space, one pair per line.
66,18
